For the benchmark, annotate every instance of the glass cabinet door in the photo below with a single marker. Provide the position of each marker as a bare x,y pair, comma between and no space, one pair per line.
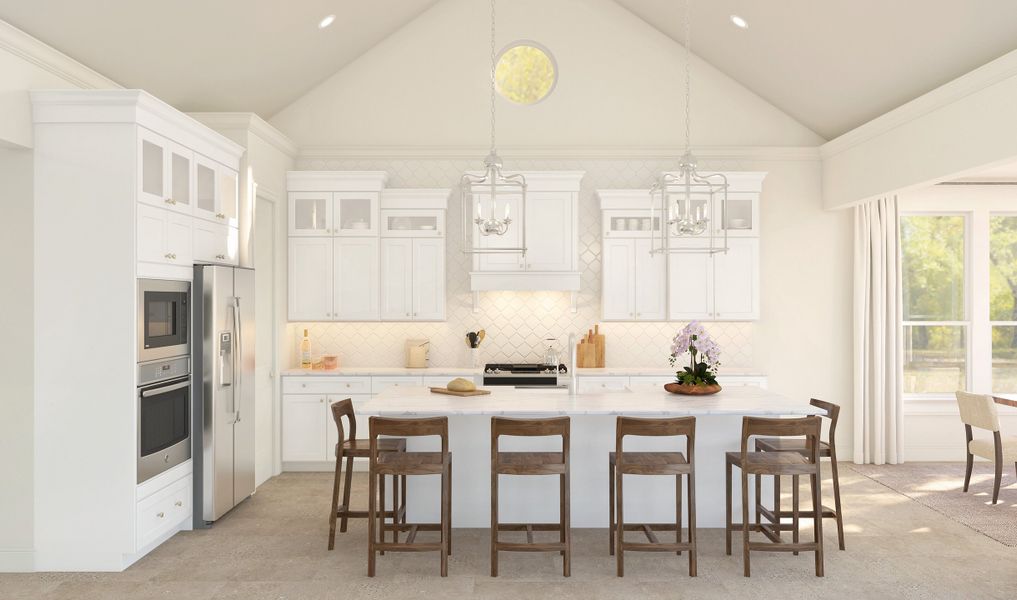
310,213
412,223
630,223
738,215
181,163
206,200
355,213
152,168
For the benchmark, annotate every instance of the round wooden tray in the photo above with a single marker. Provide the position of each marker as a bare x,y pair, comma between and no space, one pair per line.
691,390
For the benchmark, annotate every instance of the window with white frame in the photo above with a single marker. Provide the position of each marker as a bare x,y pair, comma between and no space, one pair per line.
959,277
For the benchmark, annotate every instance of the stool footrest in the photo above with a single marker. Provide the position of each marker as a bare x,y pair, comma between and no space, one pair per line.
655,547
407,547
783,547
526,547
531,526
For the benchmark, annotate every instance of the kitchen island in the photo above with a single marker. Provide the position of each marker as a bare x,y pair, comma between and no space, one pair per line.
535,499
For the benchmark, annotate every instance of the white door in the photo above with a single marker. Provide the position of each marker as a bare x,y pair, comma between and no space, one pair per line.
310,273
266,411
690,286
303,433
428,279
310,213
618,283
229,195
549,245
650,303
355,279
206,194
210,242
736,280
512,238
179,244
153,168
396,279
151,234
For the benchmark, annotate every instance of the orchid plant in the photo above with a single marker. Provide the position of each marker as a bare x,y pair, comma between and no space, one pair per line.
704,355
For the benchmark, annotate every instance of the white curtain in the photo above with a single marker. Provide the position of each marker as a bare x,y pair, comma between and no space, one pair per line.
878,344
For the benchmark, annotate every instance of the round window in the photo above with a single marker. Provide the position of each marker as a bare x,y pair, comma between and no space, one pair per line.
525,73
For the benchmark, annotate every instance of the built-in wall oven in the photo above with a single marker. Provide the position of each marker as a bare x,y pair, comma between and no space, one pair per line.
164,415
163,317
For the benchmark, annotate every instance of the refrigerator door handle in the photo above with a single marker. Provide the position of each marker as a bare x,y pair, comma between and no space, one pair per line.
238,356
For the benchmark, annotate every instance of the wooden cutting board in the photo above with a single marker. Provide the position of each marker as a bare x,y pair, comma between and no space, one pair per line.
440,390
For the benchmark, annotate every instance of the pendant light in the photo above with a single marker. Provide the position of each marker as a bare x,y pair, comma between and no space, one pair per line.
688,200
487,197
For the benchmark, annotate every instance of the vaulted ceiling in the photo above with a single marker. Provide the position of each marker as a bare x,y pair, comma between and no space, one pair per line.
830,64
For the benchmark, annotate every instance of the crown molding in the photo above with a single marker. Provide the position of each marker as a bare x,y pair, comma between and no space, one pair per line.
26,47
972,82
769,153
250,123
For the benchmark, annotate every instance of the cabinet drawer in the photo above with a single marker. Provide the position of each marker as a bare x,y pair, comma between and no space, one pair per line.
327,385
648,382
442,380
592,385
163,511
380,383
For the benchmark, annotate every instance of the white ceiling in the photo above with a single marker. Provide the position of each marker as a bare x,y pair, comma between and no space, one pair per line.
836,64
830,64
213,55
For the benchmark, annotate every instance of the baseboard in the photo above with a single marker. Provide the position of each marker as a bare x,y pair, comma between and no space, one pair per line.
17,561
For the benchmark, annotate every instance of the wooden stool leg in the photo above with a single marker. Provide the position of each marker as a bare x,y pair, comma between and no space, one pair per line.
403,499
381,512
494,523
998,477
758,499
817,533
446,484
727,522
561,512
335,501
395,508
346,493
745,522
678,510
692,525
967,471
567,566
794,509
619,533
836,498
610,509
372,501
450,507
776,504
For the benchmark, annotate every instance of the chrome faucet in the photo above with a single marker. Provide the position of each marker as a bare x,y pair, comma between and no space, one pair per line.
573,379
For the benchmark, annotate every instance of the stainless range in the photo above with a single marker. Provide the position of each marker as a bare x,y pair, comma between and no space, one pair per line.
525,375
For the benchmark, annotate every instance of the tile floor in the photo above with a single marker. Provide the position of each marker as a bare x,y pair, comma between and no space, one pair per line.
274,547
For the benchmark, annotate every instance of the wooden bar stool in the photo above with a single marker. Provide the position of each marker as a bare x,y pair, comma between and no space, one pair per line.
402,464
826,449
531,463
776,464
653,463
353,448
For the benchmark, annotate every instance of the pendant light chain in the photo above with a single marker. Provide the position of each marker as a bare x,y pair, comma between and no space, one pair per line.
688,75
493,68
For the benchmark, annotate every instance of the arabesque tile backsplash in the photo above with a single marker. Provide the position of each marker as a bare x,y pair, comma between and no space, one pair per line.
516,322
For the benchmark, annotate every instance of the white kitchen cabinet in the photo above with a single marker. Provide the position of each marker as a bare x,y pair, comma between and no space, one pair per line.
229,195
634,281
206,194
412,222
355,213
690,278
428,280
164,236
594,385
396,279
303,427
736,281
412,279
381,383
310,279
507,261
310,213
355,279
165,172
214,242
549,232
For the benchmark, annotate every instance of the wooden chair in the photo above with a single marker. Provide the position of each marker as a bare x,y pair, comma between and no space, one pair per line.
532,463
826,449
403,464
977,410
350,448
653,463
776,464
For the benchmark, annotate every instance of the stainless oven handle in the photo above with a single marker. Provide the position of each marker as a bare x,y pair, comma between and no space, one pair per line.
237,357
162,390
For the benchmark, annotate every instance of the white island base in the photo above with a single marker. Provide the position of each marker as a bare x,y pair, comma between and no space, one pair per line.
534,499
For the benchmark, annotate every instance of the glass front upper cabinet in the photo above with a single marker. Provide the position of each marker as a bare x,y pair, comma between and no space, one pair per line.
630,223
310,213
412,223
229,195
355,213
206,197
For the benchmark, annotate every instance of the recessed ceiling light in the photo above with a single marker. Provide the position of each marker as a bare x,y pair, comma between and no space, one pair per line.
739,22
326,21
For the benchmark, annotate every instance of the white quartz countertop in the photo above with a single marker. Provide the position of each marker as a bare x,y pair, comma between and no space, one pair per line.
469,371
655,372
421,402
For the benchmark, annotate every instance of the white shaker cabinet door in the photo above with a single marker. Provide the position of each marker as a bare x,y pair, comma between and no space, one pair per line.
549,244
690,286
396,279
512,238
179,242
303,431
355,277
428,279
617,295
151,234
651,277
212,242
229,195
736,280
310,274
207,200
310,213
153,168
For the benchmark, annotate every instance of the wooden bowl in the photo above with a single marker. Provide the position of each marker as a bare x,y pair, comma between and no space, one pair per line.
691,390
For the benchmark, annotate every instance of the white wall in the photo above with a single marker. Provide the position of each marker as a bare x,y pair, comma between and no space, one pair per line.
963,125
16,361
620,85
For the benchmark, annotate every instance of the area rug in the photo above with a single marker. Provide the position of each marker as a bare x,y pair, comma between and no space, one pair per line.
939,487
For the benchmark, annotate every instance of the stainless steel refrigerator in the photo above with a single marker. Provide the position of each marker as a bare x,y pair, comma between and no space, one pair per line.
222,352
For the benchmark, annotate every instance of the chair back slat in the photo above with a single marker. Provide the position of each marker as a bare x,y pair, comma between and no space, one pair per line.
978,410
807,427
340,409
529,427
389,426
832,413
666,427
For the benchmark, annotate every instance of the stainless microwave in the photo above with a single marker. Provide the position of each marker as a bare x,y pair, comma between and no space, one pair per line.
164,309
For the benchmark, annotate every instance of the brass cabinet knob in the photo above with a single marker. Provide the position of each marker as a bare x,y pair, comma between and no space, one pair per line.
161,515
